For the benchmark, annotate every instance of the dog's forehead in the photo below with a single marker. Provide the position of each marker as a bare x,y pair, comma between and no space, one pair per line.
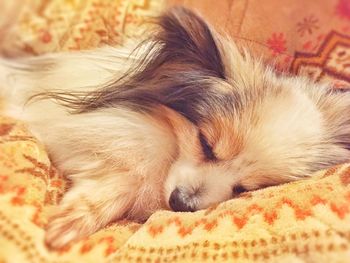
202,101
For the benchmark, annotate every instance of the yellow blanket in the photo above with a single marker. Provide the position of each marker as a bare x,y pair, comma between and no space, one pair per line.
305,221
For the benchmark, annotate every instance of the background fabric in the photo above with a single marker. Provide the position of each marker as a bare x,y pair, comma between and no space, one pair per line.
311,38
305,221
31,27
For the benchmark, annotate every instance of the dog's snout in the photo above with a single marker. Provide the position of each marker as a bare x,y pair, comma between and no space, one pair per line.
177,202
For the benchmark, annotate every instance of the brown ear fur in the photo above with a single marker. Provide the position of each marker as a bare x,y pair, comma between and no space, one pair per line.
188,39
184,42
177,70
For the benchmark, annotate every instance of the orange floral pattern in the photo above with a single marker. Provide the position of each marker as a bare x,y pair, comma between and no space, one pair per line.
303,37
305,221
41,26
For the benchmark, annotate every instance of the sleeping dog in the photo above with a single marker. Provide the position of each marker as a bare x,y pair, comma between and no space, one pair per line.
183,120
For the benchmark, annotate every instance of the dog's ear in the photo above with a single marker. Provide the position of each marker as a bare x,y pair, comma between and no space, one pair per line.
177,68
188,40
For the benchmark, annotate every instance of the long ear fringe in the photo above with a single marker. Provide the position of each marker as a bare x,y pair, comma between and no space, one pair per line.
186,36
175,64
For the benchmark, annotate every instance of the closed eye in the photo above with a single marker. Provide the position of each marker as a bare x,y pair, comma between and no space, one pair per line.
238,189
206,148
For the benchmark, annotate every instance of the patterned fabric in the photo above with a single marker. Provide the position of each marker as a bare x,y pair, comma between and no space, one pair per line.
304,37
40,26
305,221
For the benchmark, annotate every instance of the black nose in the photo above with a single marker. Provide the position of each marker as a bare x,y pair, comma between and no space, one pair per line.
177,201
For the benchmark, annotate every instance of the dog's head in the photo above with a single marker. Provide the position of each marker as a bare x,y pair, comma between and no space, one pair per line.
237,126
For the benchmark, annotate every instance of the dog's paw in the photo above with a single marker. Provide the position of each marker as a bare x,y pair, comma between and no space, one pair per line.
66,227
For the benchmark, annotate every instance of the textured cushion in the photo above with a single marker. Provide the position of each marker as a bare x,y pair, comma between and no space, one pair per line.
304,37
41,26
